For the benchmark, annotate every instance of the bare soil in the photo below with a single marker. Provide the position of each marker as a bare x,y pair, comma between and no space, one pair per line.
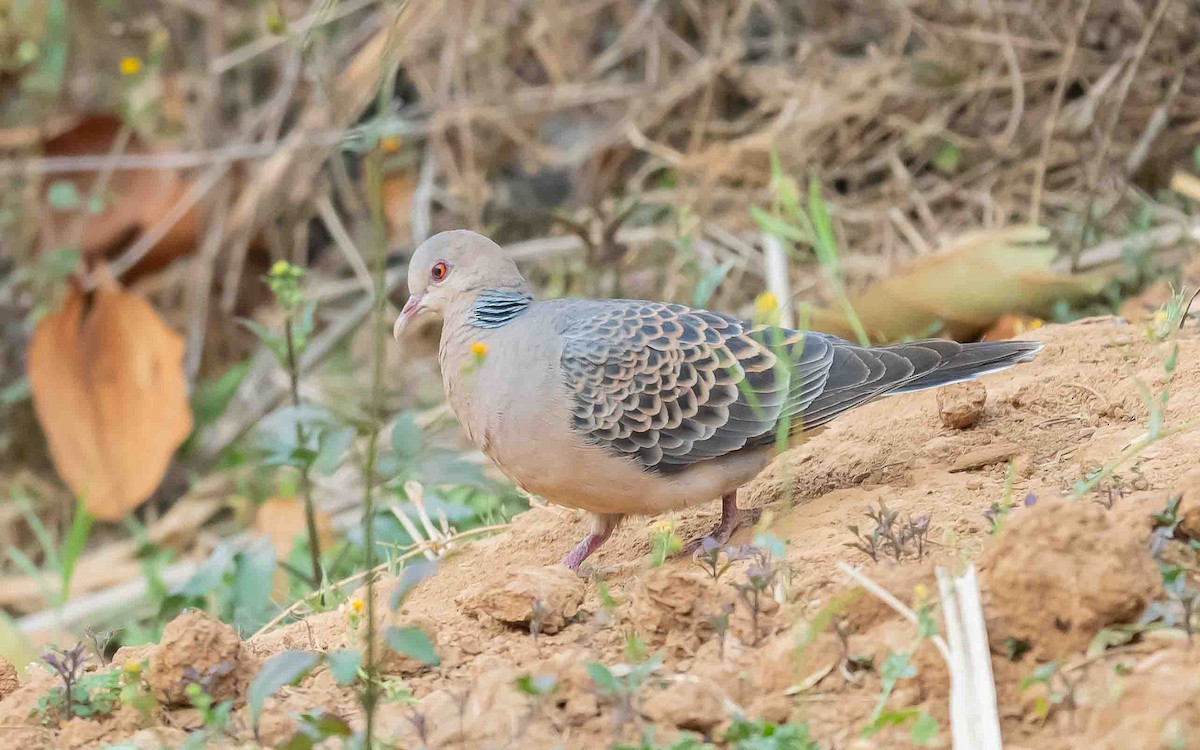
1059,571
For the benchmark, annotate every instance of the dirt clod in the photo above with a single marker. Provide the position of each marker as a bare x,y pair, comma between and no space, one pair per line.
9,681
693,703
986,456
1085,571
961,405
193,646
668,597
545,597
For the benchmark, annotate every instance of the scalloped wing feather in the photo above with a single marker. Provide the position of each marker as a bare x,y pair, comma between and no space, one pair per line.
671,386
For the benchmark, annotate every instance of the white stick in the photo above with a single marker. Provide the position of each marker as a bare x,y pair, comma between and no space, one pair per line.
887,598
775,268
974,720
980,658
960,724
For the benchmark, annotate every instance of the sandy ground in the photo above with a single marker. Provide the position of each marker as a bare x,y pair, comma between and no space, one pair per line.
1058,573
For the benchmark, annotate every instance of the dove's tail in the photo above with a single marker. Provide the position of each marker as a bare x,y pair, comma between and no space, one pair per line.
972,361
857,376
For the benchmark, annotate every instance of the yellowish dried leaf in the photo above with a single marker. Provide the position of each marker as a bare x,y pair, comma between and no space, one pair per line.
962,291
111,397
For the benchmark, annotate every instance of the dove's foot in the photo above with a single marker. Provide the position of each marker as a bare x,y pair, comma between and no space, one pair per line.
732,519
602,529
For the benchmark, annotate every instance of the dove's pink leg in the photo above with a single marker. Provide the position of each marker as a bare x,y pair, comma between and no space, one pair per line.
602,528
732,519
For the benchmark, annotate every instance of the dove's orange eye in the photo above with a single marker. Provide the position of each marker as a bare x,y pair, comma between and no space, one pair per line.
439,270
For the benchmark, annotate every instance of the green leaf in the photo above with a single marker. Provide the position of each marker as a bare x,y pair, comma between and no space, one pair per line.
344,665
303,327
81,527
412,642
46,78
947,158
603,677
333,446
406,435
412,574
267,337
1041,675
211,397
17,392
897,666
63,195
709,282
784,188
254,571
825,244
325,725
778,227
536,685
283,669
924,729
889,719
59,263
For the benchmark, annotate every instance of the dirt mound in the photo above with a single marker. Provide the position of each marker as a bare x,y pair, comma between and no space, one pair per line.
674,649
8,679
1062,571
198,648
541,599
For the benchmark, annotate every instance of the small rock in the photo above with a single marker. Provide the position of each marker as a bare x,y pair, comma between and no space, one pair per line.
1023,466
986,456
692,703
547,597
194,644
9,681
961,405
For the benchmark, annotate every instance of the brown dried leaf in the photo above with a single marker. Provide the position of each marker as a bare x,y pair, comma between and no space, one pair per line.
111,397
398,189
134,199
281,519
965,289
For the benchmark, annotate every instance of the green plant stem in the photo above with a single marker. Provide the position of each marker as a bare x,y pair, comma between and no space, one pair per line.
374,174
1084,487
310,515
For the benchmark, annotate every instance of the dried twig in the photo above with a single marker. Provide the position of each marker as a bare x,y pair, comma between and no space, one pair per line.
1100,159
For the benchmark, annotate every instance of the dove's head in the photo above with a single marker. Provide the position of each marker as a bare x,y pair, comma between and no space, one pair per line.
450,270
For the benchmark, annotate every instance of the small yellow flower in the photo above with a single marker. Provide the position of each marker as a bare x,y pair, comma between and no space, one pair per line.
662,527
921,591
130,66
356,606
766,303
1160,317
479,349
280,268
390,144
1036,323
133,668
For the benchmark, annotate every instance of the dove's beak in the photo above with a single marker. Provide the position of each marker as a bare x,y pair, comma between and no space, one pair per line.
411,307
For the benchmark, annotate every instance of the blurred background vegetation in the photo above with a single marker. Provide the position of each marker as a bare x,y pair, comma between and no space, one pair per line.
190,191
